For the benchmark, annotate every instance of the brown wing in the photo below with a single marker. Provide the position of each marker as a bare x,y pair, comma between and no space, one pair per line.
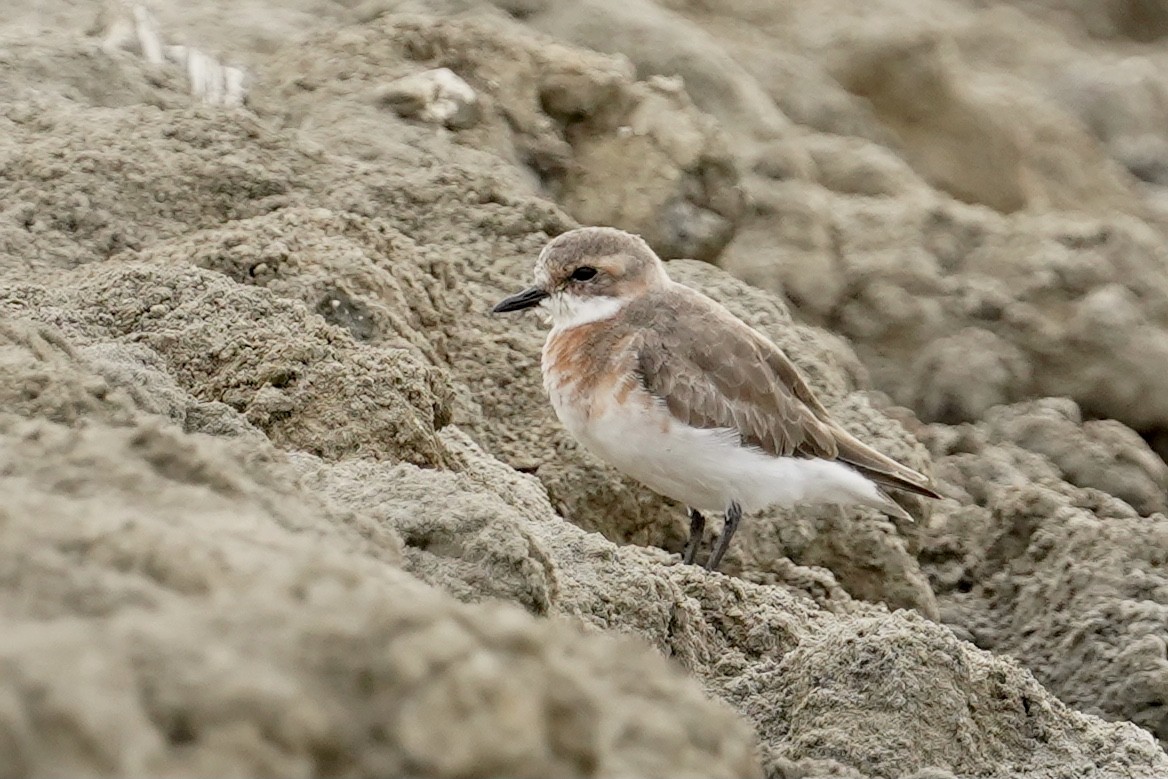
714,372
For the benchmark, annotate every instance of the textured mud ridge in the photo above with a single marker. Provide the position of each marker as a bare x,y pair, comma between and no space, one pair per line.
280,497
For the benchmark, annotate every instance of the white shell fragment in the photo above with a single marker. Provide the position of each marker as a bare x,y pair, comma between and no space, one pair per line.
131,27
438,96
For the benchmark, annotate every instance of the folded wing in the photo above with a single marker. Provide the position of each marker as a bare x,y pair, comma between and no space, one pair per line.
712,371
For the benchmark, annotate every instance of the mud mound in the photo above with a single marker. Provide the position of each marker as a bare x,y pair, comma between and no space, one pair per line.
213,613
955,309
60,177
1067,579
984,717
285,371
1140,21
610,149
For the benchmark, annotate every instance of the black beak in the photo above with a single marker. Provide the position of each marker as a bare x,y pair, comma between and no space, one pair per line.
520,300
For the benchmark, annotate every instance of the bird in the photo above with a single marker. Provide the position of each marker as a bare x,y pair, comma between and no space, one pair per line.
669,387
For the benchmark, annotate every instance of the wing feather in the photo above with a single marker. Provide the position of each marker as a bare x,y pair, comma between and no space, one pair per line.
712,371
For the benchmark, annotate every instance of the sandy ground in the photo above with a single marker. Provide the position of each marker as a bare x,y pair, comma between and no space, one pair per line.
279,497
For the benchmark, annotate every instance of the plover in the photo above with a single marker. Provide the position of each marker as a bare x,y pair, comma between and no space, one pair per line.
669,387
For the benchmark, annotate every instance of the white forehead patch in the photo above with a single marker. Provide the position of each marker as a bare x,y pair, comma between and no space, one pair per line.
543,279
568,310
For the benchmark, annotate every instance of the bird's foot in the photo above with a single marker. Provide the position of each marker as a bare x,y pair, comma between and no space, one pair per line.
697,526
733,517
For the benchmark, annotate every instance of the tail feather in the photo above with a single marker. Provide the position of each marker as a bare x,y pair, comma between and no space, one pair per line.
890,506
893,482
881,469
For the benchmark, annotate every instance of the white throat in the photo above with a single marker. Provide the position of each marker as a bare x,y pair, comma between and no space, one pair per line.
568,310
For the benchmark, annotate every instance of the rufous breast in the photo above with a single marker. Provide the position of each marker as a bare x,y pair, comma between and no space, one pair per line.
588,367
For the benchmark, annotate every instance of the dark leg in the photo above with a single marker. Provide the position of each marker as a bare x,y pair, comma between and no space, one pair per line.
697,526
733,516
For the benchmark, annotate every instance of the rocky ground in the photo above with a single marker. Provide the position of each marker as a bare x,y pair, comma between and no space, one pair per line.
281,498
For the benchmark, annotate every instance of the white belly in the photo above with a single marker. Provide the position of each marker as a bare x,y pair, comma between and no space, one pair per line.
704,469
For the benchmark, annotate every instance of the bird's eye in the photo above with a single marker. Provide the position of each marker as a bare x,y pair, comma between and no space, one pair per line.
583,273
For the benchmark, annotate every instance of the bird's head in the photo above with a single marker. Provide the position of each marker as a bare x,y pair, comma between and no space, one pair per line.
588,274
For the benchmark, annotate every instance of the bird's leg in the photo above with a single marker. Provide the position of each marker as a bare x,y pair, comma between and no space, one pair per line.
697,526
733,516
